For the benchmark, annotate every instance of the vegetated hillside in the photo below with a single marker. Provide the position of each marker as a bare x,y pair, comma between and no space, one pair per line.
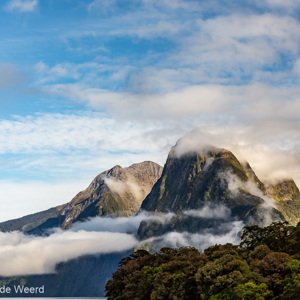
266,265
117,192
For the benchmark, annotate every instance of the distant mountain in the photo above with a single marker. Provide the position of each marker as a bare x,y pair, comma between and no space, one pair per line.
117,192
287,197
209,177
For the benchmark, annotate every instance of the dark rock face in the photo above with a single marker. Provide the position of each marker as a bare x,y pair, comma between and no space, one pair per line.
191,181
211,177
117,192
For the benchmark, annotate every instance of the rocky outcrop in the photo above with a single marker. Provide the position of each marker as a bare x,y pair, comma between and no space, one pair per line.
117,192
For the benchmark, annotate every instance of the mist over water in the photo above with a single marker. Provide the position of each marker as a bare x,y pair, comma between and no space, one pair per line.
22,254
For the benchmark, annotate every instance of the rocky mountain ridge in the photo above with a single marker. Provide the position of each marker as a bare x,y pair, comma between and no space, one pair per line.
116,192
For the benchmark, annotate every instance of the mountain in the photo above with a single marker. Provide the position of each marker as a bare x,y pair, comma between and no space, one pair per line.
118,192
209,177
287,197
208,190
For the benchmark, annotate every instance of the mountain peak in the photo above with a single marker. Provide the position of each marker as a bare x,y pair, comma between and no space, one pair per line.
117,191
209,176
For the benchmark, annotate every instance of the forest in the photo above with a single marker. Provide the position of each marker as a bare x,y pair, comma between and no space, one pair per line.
265,265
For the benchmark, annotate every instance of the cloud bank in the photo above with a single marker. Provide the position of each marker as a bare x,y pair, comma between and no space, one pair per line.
22,254
26,255
122,224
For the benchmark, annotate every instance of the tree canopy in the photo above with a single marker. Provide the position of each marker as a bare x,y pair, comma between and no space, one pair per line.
266,265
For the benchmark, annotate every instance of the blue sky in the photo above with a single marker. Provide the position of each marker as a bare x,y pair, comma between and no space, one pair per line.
86,85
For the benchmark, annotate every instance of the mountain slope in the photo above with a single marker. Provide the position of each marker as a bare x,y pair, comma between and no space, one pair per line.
118,192
191,181
32,221
209,177
287,197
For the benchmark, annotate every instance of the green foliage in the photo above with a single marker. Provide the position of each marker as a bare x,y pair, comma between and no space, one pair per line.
250,290
279,237
256,269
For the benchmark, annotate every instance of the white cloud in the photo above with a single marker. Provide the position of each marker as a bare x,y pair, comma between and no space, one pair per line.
253,101
271,148
129,185
46,133
229,47
122,224
25,255
235,185
198,240
22,5
22,254
210,212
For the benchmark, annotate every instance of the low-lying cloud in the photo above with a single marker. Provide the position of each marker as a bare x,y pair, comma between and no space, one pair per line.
198,240
122,224
266,215
21,254
210,212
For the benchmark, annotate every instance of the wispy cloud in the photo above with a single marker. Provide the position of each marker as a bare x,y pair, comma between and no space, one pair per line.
101,5
123,224
199,240
209,212
21,6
